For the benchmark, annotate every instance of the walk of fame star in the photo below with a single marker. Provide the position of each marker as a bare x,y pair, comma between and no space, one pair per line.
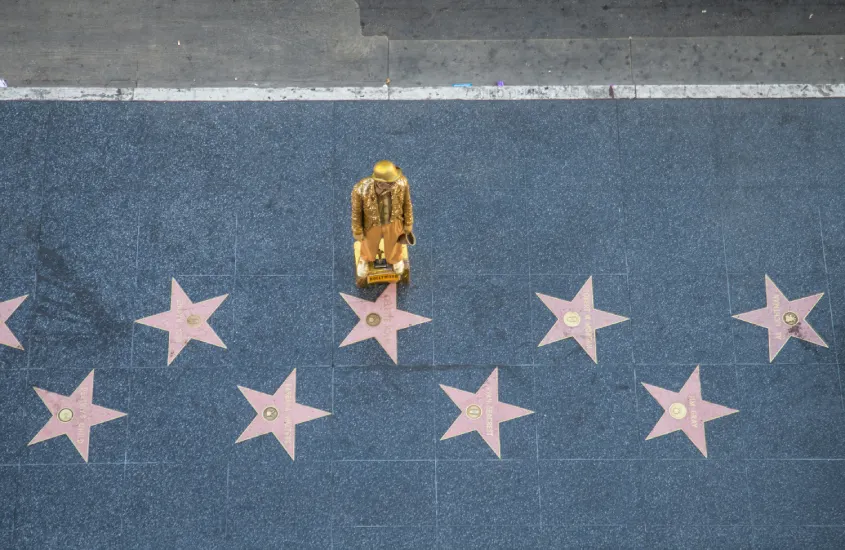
186,321
7,308
278,414
686,411
784,318
482,412
380,320
578,319
73,415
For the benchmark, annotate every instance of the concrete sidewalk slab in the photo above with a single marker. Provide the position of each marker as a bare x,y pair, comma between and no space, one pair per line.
189,43
739,60
522,62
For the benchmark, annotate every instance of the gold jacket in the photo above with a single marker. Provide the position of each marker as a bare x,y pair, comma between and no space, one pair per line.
365,212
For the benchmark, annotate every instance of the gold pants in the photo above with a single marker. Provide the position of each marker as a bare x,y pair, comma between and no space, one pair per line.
390,233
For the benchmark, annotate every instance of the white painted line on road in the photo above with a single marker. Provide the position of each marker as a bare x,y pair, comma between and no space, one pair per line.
476,93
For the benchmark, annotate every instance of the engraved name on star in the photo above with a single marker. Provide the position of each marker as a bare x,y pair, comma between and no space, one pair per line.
686,411
186,321
482,412
578,319
278,414
73,415
7,308
784,318
380,320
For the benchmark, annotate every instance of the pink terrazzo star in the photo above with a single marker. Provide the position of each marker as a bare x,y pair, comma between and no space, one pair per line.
278,414
74,415
482,412
7,308
380,320
578,319
686,411
186,321
785,319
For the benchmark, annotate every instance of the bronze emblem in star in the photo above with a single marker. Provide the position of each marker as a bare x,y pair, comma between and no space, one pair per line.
686,411
381,320
186,321
278,414
578,319
784,318
73,415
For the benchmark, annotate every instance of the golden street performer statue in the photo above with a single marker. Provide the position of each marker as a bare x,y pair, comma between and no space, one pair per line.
382,214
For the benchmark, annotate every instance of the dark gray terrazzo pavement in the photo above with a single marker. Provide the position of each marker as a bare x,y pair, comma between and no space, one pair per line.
677,209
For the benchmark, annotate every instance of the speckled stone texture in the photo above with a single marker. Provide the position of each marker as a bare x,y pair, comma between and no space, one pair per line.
677,209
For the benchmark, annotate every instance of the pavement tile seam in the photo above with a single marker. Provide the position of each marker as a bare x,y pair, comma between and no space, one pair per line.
830,308
537,445
722,231
451,460
408,366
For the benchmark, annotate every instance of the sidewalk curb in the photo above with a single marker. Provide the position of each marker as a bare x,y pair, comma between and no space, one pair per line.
384,93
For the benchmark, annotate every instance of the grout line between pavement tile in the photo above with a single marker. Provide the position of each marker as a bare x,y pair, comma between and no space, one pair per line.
433,316
537,446
30,332
589,525
331,505
627,272
728,282
631,327
431,460
760,364
434,422
436,503
123,462
129,373
226,505
830,306
134,301
750,508
388,526
534,381
42,183
332,194
722,224
235,278
17,508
